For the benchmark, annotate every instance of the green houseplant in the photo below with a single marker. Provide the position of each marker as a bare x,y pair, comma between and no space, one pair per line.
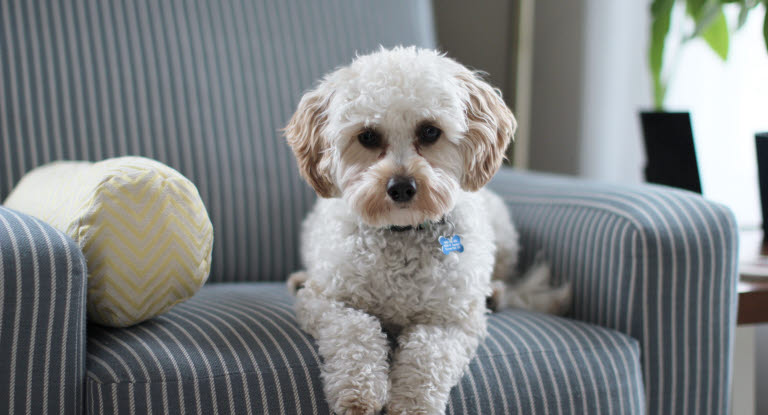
670,153
710,25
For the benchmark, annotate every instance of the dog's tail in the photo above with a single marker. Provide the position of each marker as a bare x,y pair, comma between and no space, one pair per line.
296,281
532,292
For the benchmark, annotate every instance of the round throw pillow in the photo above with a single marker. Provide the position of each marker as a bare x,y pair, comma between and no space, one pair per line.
141,225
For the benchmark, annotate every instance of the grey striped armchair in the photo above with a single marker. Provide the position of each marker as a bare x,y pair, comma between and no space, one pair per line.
204,86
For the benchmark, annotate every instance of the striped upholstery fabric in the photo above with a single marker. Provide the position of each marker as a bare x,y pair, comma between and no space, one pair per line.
202,86
236,348
654,263
42,318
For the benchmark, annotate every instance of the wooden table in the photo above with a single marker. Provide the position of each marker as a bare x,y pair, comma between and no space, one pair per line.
753,292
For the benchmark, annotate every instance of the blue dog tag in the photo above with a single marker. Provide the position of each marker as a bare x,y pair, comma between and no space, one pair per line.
452,244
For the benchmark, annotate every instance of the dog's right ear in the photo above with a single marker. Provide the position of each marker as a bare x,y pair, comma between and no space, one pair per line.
305,136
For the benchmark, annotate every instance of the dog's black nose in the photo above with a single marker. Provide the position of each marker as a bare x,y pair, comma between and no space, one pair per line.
401,189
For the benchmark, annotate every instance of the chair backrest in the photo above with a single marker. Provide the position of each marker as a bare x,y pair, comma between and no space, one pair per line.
203,86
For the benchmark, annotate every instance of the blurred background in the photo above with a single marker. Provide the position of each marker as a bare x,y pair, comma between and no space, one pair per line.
577,76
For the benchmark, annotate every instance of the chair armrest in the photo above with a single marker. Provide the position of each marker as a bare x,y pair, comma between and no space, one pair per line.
653,262
42,317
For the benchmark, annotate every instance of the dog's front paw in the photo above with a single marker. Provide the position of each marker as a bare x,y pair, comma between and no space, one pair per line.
397,406
359,401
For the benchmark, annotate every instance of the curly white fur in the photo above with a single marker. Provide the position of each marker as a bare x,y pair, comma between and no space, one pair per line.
363,279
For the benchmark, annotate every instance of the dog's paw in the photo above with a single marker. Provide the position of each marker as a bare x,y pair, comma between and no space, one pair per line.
355,404
402,407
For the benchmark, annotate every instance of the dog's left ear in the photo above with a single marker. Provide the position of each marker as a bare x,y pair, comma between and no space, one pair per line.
490,127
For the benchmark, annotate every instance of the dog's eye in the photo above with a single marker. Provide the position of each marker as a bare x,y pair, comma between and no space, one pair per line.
369,139
428,134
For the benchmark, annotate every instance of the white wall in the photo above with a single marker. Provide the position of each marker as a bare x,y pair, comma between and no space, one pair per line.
589,82
591,79
728,104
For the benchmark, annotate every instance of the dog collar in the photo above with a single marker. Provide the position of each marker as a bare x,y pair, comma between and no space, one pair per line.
420,227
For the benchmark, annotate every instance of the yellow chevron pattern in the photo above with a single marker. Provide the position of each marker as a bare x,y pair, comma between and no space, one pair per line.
141,225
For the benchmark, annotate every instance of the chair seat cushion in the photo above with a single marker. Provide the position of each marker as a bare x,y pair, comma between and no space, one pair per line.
236,348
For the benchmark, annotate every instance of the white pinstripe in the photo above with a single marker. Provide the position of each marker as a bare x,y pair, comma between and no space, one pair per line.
51,308
686,328
160,369
516,354
596,245
526,325
210,132
177,77
450,407
35,308
731,329
507,321
205,360
712,255
115,408
101,68
642,211
568,351
124,364
20,155
78,88
192,367
265,352
462,397
579,200
223,108
485,385
67,306
7,153
259,106
151,83
503,396
128,108
172,359
231,348
271,364
17,315
115,379
238,114
163,77
112,48
472,384
301,335
246,103
56,137
247,349
88,65
132,402
26,90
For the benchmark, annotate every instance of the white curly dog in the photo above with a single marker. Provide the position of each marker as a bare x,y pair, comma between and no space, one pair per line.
404,240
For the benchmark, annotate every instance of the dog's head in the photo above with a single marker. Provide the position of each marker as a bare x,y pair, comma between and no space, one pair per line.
398,133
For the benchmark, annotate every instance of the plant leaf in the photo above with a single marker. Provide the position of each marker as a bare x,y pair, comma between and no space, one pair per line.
716,35
743,13
693,7
765,25
705,16
661,11
746,7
